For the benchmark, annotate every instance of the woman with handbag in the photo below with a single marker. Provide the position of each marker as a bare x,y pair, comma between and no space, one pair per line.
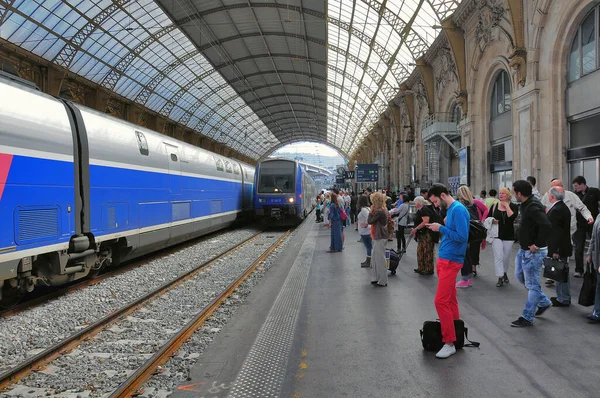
593,258
504,213
378,218
335,210
424,237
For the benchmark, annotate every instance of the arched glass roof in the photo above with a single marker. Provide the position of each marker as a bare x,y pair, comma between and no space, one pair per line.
252,75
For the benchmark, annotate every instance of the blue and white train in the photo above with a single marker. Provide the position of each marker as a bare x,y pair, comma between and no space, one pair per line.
283,192
80,190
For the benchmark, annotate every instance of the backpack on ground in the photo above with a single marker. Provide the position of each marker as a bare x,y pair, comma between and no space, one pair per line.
431,336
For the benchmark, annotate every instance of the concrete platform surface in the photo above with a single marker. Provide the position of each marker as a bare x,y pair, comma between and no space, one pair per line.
351,339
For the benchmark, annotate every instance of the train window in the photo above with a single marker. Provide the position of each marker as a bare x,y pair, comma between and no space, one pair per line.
277,176
220,165
142,143
236,169
173,157
228,167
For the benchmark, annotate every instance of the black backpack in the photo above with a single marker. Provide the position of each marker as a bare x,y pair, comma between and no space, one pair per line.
431,336
477,231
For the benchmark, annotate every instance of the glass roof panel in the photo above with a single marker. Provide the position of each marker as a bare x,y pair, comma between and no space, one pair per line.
165,63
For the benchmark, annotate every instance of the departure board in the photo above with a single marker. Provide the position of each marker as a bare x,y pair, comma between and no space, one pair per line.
367,173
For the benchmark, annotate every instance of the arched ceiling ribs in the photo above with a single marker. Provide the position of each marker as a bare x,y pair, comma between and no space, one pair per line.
283,95
112,78
403,38
283,143
66,55
301,110
417,42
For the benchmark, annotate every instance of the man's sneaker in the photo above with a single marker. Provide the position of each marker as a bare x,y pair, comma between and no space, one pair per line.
577,275
541,310
521,322
464,284
594,318
556,303
446,351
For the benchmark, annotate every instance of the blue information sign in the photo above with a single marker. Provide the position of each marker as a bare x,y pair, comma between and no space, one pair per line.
367,173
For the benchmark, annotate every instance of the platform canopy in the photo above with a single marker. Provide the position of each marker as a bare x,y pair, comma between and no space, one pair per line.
254,75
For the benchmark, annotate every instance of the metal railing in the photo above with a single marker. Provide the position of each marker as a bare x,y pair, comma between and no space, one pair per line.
441,123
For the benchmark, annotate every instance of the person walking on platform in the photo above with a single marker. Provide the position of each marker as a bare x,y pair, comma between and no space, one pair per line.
424,236
378,218
451,255
533,239
402,222
504,214
477,211
363,228
593,257
336,244
575,206
559,242
590,198
353,212
325,210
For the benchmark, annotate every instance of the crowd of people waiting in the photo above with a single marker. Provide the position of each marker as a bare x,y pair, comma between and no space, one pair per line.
555,226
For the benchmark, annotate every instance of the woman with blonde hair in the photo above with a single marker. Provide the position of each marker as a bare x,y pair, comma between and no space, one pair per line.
504,214
378,218
478,211
424,236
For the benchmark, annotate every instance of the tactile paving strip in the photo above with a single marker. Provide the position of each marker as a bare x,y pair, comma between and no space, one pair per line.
263,372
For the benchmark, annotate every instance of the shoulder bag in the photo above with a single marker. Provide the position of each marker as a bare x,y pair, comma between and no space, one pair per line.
587,295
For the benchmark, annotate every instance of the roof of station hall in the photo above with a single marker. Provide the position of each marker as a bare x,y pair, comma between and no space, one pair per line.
252,75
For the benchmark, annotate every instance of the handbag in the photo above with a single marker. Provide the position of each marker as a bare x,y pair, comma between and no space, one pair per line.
431,336
343,215
556,269
477,231
587,294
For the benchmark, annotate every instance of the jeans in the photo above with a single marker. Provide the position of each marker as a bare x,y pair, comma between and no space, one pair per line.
528,268
400,238
466,272
368,242
579,238
563,291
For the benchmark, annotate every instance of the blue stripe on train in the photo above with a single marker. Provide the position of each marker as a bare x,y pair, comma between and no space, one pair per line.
121,200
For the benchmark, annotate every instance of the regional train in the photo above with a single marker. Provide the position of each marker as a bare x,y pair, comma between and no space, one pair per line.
81,191
283,192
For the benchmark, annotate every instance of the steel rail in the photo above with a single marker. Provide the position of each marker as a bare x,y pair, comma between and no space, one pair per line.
37,362
132,264
131,387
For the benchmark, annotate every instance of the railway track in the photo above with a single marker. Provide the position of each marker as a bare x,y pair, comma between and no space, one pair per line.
130,386
59,292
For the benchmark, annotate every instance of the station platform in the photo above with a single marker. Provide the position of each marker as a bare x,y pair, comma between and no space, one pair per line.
316,327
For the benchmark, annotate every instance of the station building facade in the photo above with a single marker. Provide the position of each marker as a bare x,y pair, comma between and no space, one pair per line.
510,88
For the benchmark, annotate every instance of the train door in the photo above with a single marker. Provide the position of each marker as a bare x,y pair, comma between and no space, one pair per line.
174,168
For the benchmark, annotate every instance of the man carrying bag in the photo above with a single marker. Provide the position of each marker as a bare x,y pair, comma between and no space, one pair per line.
556,265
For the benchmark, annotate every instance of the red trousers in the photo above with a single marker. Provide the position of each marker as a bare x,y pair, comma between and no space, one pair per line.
445,298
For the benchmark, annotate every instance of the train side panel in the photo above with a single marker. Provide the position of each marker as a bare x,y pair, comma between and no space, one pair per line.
150,191
36,178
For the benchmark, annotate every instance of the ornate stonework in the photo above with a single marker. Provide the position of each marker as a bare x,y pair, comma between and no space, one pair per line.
420,96
446,72
490,15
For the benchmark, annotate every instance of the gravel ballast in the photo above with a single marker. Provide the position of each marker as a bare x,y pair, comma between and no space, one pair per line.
30,332
98,366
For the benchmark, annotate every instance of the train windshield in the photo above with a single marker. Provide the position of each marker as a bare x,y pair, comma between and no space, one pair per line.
277,177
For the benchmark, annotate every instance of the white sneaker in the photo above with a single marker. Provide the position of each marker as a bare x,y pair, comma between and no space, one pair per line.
446,351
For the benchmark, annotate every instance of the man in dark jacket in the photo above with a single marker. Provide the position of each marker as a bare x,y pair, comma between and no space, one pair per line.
533,241
590,198
559,241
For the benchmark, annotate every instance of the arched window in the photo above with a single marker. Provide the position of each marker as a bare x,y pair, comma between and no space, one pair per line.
583,58
501,95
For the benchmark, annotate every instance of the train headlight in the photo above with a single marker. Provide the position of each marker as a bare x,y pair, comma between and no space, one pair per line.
291,200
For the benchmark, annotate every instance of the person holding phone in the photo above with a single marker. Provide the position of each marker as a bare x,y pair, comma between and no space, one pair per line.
451,255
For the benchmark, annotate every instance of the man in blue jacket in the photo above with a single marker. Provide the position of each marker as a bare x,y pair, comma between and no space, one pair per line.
451,255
